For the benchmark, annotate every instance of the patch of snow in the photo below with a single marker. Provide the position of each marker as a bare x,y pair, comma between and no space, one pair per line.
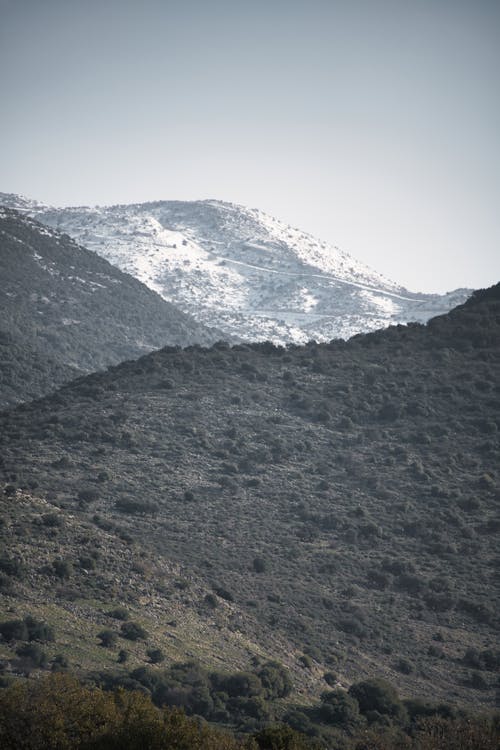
243,271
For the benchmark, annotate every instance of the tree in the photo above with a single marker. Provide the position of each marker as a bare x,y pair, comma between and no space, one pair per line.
275,680
340,709
377,695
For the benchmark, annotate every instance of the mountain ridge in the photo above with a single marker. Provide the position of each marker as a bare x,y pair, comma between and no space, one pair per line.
66,311
243,271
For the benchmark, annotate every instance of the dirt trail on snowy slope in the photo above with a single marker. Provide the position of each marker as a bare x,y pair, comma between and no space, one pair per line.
357,284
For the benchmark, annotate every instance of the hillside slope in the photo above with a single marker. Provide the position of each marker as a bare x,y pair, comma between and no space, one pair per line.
242,270
65,311
343,497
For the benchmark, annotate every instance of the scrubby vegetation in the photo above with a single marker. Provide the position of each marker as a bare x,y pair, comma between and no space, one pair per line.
65,310
333,507
58,713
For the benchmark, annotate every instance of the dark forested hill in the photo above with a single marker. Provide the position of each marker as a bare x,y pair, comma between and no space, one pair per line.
64,311
338,502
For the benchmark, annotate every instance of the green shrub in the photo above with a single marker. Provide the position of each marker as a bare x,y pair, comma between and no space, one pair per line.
275,680
119,613
39,630
338,708
62,568
60,663
136,507
223,593
12,566
330,678
259,565
53,520
280,737
28,629
376,695
155,655
133,631
33,654
108,638
243,684
14,630
88,496
404,666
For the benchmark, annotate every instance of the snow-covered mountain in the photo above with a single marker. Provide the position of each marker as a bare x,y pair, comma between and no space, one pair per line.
241,270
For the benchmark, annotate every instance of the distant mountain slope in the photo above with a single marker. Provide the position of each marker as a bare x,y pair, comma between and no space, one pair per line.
241,270
65,311
343,497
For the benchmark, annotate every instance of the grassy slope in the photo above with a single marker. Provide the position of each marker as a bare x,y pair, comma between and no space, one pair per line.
155,593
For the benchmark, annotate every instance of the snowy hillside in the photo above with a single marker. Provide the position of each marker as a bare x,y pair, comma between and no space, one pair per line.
241,270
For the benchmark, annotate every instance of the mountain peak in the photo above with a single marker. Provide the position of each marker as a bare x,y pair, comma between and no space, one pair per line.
242,270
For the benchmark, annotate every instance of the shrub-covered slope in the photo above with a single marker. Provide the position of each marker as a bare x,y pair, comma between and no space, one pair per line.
341,497
102,594
64,311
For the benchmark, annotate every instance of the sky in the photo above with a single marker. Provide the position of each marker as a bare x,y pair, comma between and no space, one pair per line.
372,124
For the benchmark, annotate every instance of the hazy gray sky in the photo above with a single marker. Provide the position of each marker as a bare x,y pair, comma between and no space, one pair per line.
374,125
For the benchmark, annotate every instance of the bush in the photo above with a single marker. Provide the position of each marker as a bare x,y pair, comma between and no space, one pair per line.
28,629
404,666
156,655
330,678
476,680
487,659
338,708
62,568
87,496
376,695
259,565
136,507
12,567
39,630
223,593
6,584
243,684
108,638
33,654
353,625
119,613
275,680
52,520
14,630
280,737
86,562
133,631
438,733
59,663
